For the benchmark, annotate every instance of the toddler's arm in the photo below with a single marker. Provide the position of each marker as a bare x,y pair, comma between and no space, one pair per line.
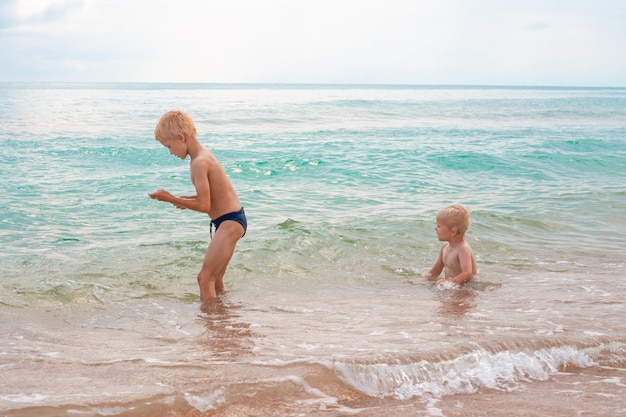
435,271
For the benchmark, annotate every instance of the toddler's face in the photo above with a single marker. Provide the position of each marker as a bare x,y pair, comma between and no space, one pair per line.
444,232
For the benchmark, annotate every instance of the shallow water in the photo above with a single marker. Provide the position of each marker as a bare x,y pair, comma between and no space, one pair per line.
326,312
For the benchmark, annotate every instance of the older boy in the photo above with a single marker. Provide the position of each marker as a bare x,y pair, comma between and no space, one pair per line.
456,255
215,196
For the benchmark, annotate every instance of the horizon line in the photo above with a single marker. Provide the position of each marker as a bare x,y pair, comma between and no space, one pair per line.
312,84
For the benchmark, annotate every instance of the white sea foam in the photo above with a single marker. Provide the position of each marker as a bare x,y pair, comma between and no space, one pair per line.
24,398
110,411
209,401
466,374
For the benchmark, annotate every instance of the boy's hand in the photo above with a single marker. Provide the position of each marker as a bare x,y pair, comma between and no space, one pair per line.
161,195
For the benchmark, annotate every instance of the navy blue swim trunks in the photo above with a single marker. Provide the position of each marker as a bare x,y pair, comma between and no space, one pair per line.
237,216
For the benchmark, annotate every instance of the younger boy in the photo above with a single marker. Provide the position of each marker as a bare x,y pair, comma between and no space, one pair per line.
214,196
456,255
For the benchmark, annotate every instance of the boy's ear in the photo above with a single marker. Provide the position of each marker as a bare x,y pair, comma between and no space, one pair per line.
181,137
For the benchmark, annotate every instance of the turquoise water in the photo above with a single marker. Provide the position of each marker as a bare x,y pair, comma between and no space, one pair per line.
341,185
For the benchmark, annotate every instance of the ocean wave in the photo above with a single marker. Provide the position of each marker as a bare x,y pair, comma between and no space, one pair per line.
473,371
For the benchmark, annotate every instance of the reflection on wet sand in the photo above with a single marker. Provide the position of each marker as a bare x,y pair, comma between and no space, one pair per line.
460,301
456,303
226,335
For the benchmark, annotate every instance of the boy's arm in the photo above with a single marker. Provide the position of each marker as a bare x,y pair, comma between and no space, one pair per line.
185,197
465,260
164,195
201,201
437,267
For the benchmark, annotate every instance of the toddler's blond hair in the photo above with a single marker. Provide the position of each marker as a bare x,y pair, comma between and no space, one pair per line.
456,217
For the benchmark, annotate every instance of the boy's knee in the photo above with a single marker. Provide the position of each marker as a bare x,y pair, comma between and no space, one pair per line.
205,276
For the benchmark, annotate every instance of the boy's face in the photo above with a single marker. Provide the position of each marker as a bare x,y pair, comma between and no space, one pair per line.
177,146
444,232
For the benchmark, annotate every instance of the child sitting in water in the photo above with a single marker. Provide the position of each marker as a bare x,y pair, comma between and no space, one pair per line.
456,256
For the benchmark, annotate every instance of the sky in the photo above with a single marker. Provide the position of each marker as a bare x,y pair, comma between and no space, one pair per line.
459,42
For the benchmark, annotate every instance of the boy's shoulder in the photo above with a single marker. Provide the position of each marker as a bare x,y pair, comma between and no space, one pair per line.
204,156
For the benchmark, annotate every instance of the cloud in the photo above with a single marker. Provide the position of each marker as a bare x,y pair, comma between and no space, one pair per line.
366,41
537,26
16,13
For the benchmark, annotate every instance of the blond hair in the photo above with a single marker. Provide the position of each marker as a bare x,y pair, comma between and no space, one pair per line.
455,217
173,123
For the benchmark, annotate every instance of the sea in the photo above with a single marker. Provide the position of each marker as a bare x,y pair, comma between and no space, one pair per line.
326,311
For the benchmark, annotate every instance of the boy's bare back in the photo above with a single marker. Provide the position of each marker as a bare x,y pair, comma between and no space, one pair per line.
209,178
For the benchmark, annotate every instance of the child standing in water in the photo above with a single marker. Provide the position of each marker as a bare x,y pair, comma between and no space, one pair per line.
215,196
456,258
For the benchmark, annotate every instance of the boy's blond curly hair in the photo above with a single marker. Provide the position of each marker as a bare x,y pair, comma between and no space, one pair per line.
172,123
456,217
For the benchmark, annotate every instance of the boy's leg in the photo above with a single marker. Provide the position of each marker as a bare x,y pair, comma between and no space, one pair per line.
216,259
219,282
